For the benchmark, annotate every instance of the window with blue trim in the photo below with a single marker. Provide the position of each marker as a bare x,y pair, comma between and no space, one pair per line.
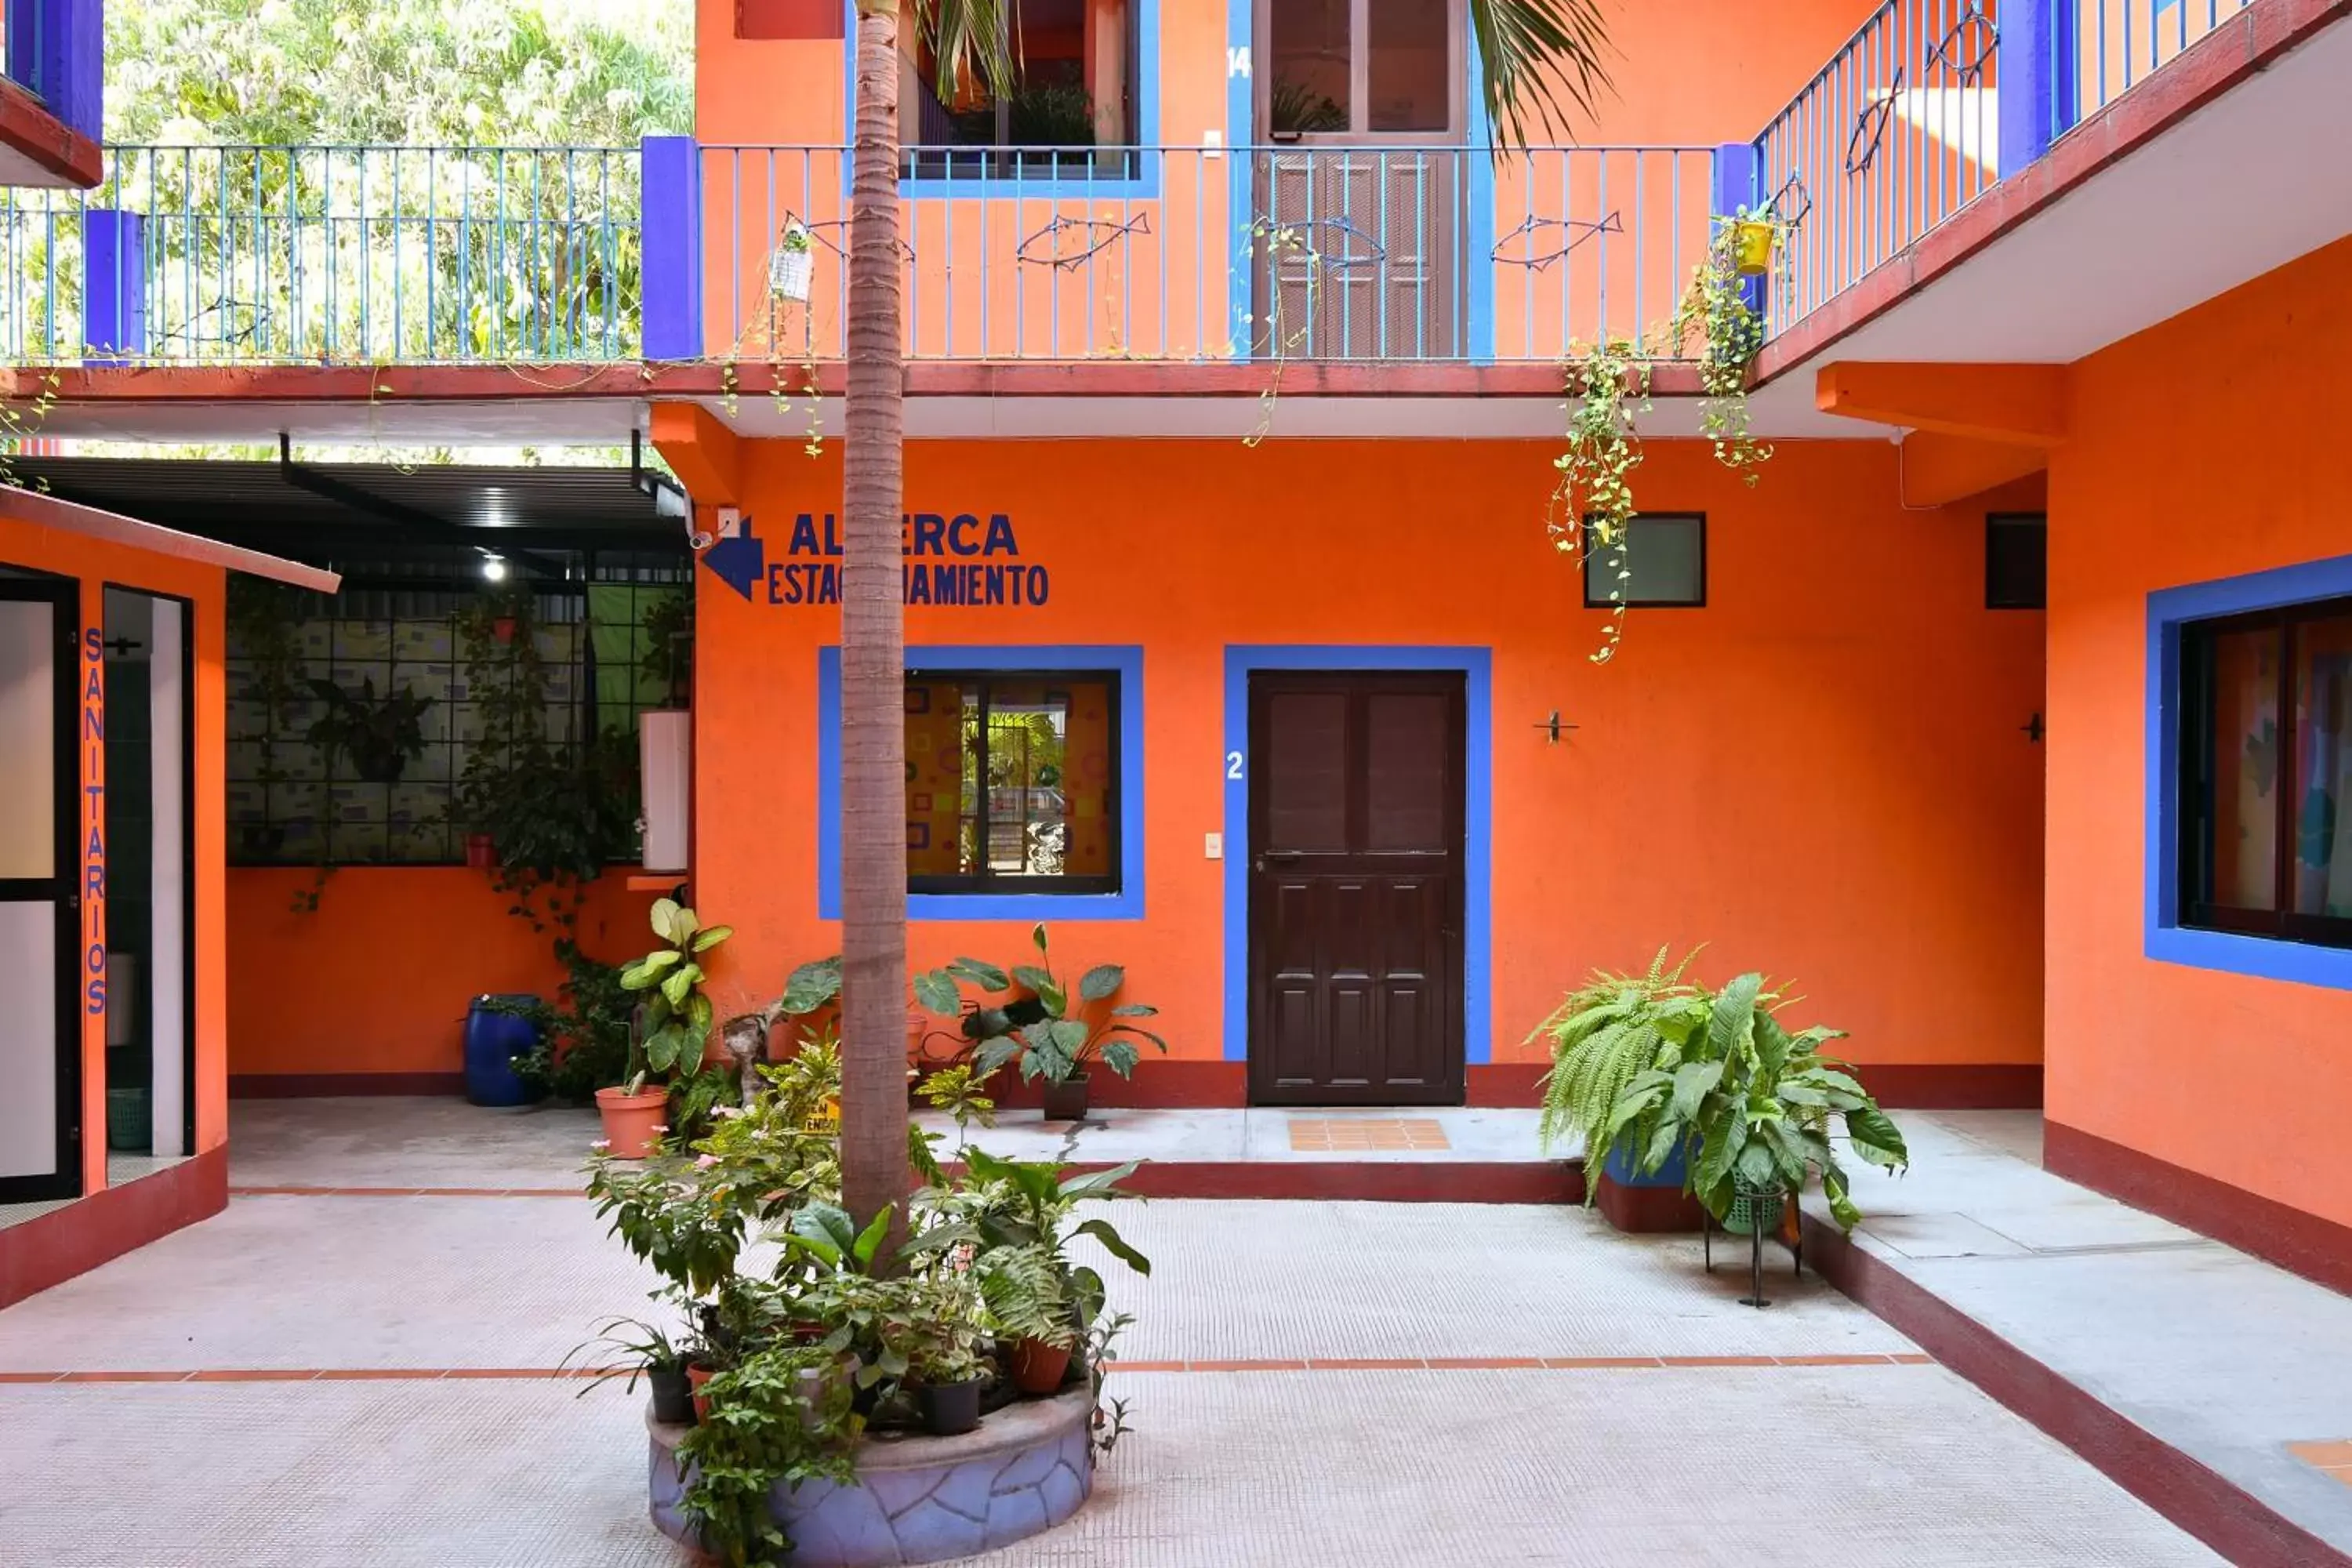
2265,773
1013,782
1072,113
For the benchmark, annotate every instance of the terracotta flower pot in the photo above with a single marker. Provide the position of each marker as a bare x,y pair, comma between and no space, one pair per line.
633,1122
1038,1367
697,1374
481,851
503,628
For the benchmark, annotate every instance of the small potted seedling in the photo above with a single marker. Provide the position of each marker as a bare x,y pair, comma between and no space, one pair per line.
789,271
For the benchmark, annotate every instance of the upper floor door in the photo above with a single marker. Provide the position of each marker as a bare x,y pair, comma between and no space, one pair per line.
1361,109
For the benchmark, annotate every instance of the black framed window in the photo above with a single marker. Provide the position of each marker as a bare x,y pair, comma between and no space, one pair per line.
2266,816
609,640
2016,560
1661,564
1013,782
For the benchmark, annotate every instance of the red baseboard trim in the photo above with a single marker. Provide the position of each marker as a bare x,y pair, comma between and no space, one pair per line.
1954,1085
1648,1211
51,1249
327,1085
1390,1182
1208,1085
2183,1489
2300,1242
1156,1086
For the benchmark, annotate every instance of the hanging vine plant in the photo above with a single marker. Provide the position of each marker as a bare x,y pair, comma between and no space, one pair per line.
1592,505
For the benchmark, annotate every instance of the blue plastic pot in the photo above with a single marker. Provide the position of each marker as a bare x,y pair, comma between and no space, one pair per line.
493,1039
1620,1167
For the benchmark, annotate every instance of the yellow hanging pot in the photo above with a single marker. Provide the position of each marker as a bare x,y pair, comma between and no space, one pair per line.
1752,239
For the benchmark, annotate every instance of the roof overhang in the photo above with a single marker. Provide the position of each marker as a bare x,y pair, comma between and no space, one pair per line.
68,517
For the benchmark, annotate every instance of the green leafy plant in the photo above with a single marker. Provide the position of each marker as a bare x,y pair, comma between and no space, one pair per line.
1055,1032
1608,1032
1017,1215
1755,1106
557,815
1592,505
668,632
584,1035
890,1322
781,1414
1051,114
379,736
676,1014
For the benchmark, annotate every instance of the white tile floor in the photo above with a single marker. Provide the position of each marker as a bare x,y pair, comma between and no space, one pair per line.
1882,1464
2218,1353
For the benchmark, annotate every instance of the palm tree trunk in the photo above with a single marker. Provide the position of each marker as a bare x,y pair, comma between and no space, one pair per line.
874,1169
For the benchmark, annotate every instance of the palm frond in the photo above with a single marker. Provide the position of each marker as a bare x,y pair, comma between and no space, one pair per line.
1542,58
974,40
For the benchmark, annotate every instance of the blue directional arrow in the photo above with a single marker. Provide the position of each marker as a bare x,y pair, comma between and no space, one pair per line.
739,561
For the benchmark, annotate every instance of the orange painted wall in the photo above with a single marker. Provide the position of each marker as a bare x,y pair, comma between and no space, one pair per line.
1821,773
97,563
378,979
2202,448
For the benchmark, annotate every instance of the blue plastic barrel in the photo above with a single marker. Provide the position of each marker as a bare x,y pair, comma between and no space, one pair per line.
493,1039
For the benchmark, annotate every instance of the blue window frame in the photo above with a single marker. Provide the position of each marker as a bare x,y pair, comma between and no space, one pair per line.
1079,171
1121,665
2194,636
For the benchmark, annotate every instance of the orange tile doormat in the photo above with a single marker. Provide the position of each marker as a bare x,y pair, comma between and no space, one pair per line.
1315,1135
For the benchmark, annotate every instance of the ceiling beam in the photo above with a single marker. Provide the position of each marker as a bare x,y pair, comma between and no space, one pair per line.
2019,404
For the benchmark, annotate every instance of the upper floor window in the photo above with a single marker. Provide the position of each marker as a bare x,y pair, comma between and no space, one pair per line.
2265,758
1077,64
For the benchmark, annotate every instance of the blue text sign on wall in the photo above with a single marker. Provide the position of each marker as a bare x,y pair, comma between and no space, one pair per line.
93,852
965,558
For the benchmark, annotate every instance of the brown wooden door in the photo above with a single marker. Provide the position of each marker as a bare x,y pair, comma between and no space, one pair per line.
1355,891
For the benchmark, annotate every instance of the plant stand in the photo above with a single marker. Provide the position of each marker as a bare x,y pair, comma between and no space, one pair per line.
1749,1204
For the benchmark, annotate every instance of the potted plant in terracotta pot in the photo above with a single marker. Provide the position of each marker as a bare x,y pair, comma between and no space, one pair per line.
1040,1303
667,1040
1052,1033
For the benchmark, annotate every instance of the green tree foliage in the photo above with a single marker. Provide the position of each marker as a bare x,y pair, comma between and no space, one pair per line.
593,73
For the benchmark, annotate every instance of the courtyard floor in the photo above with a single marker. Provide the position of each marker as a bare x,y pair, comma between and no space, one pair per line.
328,1375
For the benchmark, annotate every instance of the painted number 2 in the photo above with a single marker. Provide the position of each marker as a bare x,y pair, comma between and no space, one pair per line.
1233,765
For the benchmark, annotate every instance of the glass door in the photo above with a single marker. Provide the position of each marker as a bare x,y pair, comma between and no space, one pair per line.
40,1027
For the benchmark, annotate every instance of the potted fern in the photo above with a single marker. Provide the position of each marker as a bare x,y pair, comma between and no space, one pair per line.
1605,1035
1758,1109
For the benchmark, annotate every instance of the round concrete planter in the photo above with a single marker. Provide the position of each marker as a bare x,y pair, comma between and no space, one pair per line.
922,1500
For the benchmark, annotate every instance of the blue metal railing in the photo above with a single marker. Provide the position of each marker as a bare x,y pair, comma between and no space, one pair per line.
2120,43
1894,135
324,253
1390,253
1929,105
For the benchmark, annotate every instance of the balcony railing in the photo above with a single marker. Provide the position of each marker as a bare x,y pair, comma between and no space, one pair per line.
1894,135
1429,254
1929,105
1381,254
311,254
